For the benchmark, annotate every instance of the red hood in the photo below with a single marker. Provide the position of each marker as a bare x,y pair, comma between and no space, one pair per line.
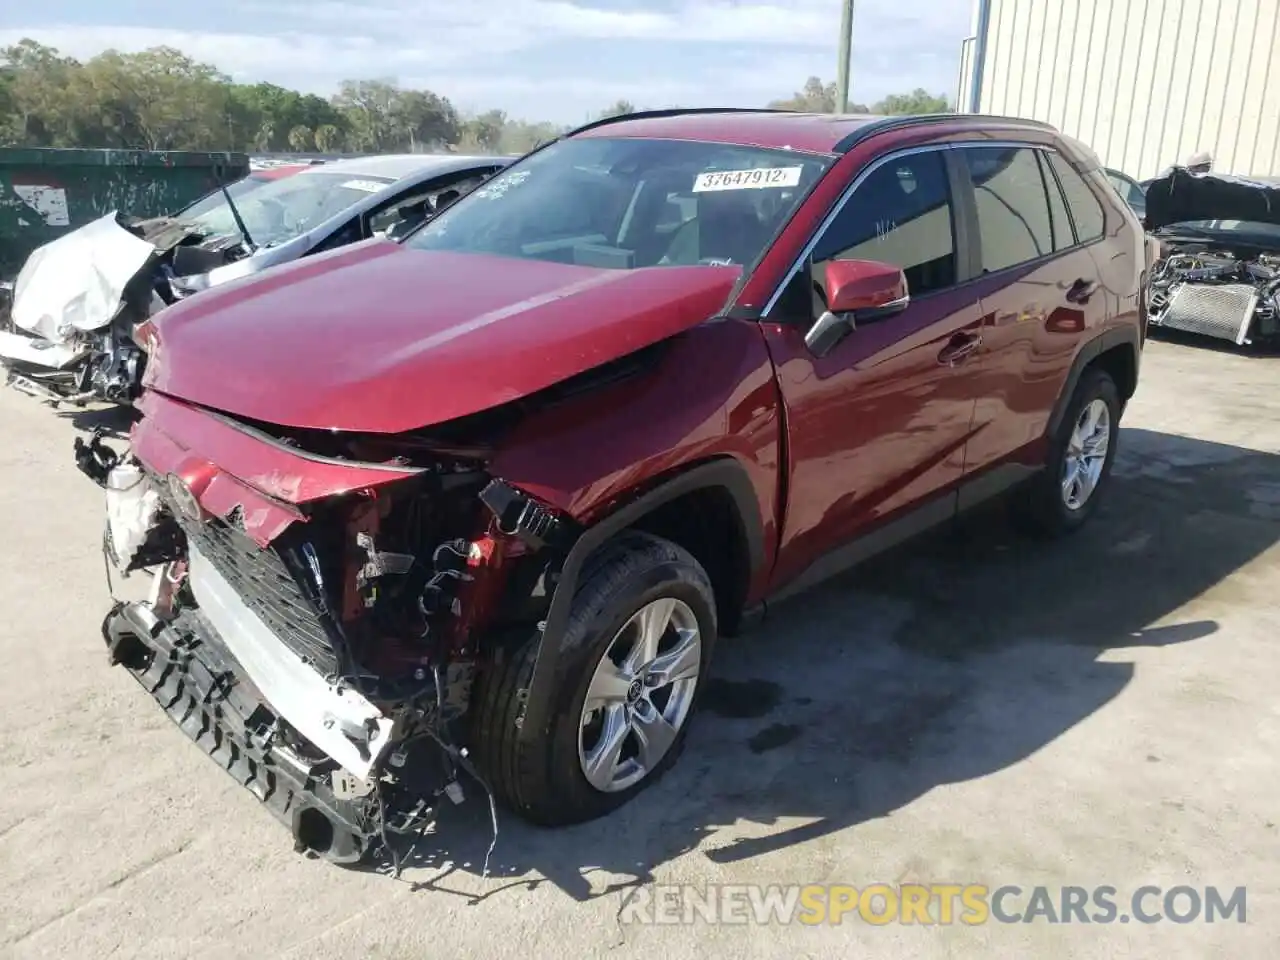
383,338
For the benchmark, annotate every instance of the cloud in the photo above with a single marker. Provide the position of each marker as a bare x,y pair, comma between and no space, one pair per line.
554,59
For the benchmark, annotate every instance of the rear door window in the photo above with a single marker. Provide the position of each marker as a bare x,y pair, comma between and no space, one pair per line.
1014,222
1063,233
1086,211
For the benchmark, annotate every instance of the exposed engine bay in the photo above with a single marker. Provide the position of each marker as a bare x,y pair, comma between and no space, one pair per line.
1219,272
330,671
1216,293
79,303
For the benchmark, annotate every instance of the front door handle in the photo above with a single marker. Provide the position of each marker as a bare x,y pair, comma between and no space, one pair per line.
959,347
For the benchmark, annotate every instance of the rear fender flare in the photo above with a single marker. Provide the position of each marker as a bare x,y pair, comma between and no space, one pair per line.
723,472
1127,335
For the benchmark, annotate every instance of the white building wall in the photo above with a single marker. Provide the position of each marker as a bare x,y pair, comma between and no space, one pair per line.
1145,83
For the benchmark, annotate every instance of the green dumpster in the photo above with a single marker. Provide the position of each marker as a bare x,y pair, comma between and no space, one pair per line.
46,192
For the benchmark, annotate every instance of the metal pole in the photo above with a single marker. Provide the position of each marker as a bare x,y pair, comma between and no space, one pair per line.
977,68
846,43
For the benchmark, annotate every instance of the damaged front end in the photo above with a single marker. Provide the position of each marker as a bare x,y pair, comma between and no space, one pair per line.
324,651
1218,274
81,304
1217,292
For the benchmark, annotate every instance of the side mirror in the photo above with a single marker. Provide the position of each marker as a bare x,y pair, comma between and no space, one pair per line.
857,291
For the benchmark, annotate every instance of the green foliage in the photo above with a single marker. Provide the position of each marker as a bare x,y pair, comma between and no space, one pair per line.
619,109
917,101
161,99
819,97
815,97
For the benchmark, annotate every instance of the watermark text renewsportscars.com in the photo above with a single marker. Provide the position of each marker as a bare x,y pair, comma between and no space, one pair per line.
971,904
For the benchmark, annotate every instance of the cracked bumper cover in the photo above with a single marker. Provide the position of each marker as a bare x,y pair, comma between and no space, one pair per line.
192,675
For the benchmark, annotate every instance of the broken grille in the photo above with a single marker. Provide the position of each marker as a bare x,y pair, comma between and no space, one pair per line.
268,588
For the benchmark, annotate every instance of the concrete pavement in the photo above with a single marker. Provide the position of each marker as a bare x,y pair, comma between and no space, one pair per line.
976,708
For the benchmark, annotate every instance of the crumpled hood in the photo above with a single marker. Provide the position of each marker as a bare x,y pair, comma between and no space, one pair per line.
1182,197
75,283
163,233
377,337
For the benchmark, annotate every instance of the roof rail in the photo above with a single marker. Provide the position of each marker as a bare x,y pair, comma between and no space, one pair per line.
897,123
668,112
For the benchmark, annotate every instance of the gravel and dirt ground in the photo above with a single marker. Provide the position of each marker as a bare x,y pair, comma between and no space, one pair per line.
976,709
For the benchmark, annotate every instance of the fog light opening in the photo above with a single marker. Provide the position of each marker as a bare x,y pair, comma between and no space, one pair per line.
312,832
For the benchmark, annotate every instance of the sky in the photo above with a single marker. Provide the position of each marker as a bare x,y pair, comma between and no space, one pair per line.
557,60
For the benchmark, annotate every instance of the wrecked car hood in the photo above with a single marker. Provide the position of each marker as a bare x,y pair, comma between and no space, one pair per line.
76,282
381,338
1183,197
165,233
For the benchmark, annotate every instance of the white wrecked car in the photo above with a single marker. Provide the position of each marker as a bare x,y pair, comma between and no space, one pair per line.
80,304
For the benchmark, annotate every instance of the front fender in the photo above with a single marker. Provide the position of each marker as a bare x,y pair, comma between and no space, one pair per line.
723,472
704,414
709,392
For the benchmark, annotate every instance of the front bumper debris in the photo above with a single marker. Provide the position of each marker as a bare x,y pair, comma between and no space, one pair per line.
37,352
190,673
344,773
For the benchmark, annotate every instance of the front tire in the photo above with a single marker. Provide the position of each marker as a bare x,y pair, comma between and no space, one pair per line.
634,657
1062,498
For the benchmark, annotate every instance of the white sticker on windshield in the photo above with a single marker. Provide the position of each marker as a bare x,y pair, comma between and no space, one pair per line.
759,178
369,186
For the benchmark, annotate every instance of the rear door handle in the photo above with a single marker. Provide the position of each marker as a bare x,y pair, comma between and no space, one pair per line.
1081,290
959,347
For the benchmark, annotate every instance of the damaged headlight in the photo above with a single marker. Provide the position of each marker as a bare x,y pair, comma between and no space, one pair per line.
144,335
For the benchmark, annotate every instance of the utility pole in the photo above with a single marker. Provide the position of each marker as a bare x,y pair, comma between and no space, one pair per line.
846,43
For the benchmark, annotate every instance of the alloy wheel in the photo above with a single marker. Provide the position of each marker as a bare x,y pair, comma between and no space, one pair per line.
1086,454
640,695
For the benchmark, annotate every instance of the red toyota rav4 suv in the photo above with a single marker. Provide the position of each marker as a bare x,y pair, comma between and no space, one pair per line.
482,501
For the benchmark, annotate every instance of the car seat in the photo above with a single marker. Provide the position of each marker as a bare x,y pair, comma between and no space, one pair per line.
726,227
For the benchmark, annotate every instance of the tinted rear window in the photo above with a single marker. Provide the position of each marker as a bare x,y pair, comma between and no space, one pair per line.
1086,211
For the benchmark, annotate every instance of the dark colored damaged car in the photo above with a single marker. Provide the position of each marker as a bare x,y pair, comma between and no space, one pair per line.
1218,274
83,304
482,502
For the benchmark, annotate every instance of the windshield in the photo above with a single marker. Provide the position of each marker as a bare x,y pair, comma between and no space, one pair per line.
279,210
628,203
216,199
1130,190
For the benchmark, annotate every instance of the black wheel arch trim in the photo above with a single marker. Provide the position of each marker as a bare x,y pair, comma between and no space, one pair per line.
1092,349
722,472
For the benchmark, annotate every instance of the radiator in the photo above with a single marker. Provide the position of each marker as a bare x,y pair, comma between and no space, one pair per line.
1222,310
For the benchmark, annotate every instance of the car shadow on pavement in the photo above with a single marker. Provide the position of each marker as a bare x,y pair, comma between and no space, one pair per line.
948,660
114,421
1182,338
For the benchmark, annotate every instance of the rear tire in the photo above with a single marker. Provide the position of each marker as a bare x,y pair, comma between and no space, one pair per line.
1063,496
634,580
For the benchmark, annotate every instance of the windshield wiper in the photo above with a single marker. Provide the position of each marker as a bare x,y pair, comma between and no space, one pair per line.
235,214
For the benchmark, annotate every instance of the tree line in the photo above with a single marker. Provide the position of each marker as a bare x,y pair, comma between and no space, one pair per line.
162,99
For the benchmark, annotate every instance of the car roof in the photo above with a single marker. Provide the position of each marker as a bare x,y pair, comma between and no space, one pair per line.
278,171
396,166
778,129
